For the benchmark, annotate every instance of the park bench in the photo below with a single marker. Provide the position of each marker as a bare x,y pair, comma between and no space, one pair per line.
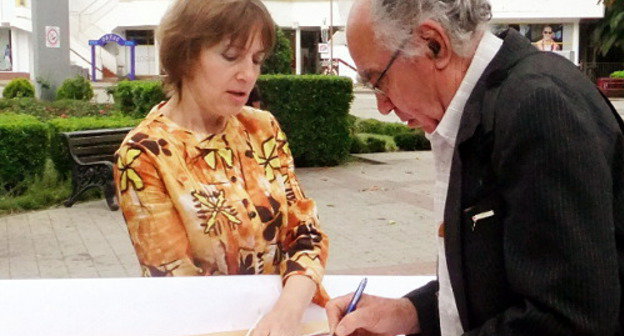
93,154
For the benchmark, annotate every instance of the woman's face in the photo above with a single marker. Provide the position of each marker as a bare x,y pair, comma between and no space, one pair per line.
224,75
547,33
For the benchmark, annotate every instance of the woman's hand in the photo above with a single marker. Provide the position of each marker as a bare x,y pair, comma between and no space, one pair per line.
285,317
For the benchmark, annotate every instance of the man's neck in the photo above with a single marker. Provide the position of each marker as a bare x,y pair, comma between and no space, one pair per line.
456,71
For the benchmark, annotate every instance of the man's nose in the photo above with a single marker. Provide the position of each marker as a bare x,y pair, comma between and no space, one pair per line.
384,104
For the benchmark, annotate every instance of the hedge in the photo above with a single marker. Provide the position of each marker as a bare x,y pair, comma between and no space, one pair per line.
23,147
312,110
412,141
136,98
58,147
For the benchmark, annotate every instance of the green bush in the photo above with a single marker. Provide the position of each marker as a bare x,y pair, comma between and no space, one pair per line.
279,61
379,127
19,88
58,146
312,111
406,141
61,108
23,148
137,98
77,88
358,145
375,145
617,74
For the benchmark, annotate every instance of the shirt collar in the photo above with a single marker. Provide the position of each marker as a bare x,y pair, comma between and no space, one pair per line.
449,125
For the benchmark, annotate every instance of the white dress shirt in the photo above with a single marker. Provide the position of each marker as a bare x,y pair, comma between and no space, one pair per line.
442,145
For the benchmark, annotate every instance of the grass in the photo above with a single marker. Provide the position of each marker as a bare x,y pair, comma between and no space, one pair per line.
42,192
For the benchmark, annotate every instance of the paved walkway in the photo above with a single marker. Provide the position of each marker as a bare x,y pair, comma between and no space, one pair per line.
376,213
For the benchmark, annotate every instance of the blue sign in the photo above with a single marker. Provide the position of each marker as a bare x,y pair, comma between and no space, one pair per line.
104,40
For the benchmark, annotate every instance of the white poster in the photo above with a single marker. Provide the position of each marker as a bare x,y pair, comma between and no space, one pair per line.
53,36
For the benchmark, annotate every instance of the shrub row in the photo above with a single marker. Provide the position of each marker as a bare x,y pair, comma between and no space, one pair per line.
403,137
77,88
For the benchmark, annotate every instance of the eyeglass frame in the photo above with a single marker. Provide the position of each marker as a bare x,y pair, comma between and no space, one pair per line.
395,55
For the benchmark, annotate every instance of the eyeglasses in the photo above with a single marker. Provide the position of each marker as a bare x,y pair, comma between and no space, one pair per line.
547,32
375,87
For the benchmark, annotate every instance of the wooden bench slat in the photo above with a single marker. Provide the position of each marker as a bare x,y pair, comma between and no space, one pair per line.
97,139
94,132
99,149
94,158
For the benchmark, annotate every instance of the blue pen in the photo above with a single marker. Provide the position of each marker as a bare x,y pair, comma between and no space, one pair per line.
357,296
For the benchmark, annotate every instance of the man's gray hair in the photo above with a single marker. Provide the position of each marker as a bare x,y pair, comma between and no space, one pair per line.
394,20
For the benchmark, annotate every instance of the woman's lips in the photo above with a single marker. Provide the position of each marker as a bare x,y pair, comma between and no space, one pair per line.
238,96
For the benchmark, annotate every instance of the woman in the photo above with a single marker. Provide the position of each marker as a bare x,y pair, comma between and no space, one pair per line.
207,185
547,43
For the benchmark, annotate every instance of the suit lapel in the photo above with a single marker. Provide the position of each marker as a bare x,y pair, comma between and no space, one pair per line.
514,48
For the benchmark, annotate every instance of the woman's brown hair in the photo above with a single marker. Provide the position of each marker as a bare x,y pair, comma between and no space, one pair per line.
190,25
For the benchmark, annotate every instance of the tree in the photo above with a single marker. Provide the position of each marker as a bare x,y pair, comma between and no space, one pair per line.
609,33
279,61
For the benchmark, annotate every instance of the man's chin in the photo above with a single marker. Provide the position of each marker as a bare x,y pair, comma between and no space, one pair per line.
413,124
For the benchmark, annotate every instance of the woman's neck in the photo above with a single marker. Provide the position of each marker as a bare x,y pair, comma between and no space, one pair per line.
187,113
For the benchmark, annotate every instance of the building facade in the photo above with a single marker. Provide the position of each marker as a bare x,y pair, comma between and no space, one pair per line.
305,22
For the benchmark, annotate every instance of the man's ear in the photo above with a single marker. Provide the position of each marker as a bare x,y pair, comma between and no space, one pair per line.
436,41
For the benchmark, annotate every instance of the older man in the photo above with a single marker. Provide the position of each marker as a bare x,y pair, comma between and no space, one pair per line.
529,191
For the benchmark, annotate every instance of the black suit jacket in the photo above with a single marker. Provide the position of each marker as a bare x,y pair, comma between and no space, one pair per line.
541,147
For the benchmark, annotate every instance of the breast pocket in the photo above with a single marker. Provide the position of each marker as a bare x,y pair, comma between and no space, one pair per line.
483,256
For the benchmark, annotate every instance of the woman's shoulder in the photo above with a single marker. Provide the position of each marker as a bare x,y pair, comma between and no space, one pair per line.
151,133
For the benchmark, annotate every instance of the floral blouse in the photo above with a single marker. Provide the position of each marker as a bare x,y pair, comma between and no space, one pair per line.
226,203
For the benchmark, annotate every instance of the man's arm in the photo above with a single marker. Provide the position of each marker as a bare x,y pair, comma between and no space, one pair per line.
425,301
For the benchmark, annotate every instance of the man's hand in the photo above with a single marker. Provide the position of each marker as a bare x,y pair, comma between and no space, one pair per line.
374,316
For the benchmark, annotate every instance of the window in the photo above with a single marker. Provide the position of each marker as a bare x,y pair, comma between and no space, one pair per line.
141,37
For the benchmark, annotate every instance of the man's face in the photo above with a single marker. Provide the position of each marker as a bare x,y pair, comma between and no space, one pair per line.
409,84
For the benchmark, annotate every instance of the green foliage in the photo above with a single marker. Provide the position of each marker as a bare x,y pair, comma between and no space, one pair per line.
77,88
312,111
396,135
279,61
23,149
358,145
38,192
617,74
137,98
58,146
379,127
61,108
19,88
412,141
609,33
375,145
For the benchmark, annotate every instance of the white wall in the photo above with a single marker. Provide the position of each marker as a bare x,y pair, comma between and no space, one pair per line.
93,18
21,44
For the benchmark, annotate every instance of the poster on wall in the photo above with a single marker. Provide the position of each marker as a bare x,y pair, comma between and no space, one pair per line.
546,37
6,57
